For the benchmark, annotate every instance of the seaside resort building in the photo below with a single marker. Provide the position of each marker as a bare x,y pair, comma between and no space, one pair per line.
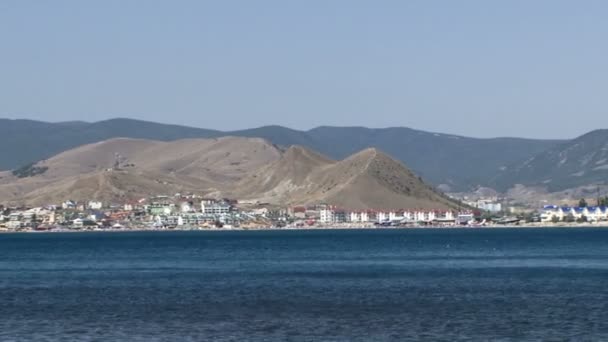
336,215
593,214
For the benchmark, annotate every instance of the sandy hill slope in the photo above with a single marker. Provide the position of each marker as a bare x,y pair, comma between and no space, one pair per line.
279,180
368,179
123,168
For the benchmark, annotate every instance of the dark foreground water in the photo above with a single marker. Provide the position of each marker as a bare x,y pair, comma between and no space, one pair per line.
347,285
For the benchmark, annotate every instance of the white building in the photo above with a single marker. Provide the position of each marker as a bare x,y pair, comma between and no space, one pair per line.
359,216
68,205
383,216
332,215
592,214
14,221
95,205
326,215
489,206
596,214
216,209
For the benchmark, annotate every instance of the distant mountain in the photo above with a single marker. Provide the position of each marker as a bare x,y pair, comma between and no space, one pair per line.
458,162
27,141
580,162
122,169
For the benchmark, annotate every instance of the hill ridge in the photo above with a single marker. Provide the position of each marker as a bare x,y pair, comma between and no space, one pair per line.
438,158
243,168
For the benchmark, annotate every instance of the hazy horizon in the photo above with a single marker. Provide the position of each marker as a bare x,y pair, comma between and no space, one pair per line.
473,68
292,128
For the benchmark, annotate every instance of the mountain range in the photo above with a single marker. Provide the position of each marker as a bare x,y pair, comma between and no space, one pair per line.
451,162
572,164
251,169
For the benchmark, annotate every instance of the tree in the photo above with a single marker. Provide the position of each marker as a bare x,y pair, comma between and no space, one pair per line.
554,219
582,219
569,218
582,203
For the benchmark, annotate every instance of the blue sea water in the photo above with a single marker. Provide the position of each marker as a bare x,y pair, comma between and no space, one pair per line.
322,285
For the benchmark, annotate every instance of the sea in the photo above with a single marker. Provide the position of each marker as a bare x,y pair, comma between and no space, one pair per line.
471,284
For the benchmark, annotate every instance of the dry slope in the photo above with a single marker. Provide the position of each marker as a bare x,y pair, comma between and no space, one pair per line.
368,179
244,168
120,169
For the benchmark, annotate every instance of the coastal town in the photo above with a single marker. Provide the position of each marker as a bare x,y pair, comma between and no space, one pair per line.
192,212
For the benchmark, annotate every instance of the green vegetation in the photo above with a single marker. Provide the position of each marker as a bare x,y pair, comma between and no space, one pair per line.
569,218
602,202
582,203
29,170
554,219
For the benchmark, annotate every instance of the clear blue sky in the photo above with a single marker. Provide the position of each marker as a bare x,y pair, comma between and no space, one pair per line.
479,68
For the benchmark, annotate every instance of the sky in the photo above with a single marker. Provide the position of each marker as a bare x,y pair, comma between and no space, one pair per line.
535,69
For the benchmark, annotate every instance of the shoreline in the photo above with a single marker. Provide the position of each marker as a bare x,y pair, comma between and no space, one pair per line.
334,227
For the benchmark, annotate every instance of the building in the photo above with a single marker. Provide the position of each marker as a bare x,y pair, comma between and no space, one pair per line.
160,208
489,206
465,218
359,216
326,215
550,213
95,205
215,208
14,221
68,205
298,212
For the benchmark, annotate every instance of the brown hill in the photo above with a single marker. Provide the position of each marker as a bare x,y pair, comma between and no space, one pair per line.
368,179
243,168
132,168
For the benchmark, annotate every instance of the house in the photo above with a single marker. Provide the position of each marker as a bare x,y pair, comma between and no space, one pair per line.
550,213
95,205
299,212
596,214
69,204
